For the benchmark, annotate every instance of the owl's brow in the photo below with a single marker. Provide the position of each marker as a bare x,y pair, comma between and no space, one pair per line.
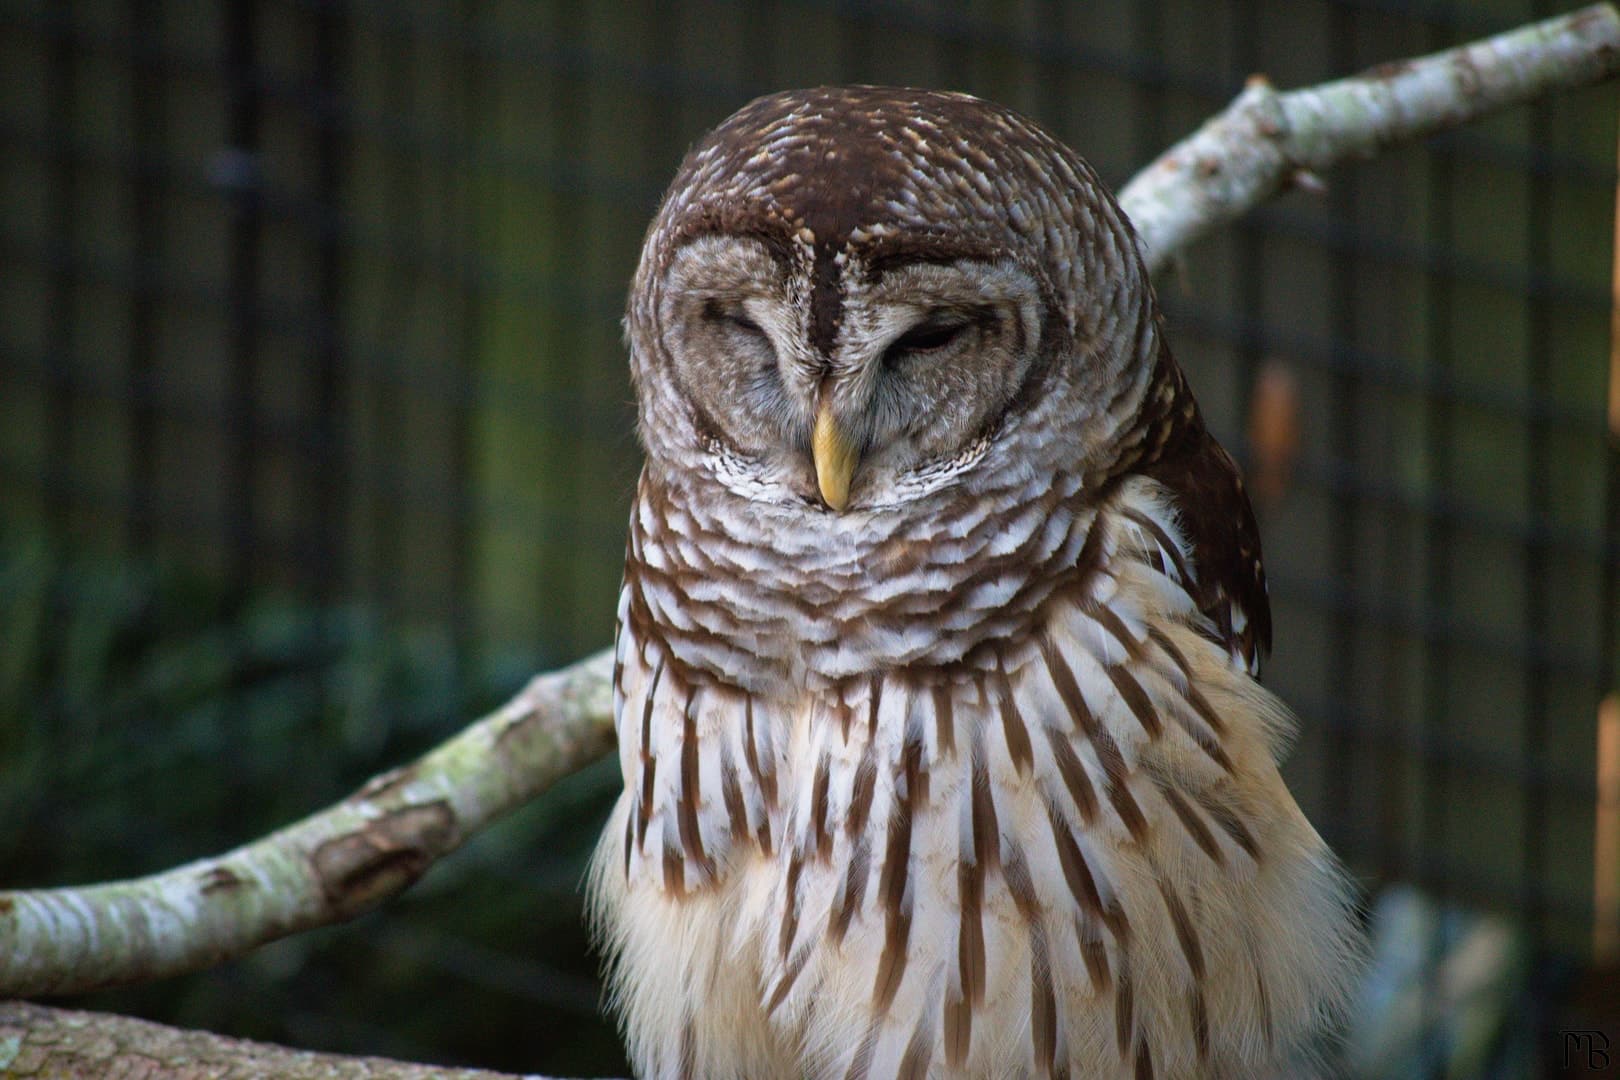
889,255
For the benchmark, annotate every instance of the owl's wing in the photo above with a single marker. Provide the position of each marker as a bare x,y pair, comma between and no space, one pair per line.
1215,555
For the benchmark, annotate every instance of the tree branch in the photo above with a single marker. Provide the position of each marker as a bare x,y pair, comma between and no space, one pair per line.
1265,140
325,869
39,1042
346,859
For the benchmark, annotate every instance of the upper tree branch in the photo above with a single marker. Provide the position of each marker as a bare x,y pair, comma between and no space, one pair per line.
1264,140
345,859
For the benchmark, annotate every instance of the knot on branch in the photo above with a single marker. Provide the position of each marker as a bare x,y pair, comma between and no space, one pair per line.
359,870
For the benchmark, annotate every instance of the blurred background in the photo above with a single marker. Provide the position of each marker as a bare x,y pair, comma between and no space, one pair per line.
316,440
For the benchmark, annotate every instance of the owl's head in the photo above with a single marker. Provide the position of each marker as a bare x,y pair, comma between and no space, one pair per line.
853,297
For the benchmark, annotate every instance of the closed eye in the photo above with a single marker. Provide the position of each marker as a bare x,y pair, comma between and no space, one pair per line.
933,334
734,318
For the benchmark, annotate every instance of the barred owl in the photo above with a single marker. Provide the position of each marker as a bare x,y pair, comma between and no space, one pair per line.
942,746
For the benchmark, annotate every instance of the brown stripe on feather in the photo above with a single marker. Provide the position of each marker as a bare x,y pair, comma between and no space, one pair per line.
1137,700
765,778
1109,620
1230,823
1192,822
1178,659
944,721
674,871
764,834
874,698
1075,870
647,705
854,891
1186,933
686,806
892,894
958,1030
986,830
860,795
970,957
1116,775
731,793
1124,1008
1206,741
1263,997
914,1063
1161,538
629,842
1042,1003
790,975
1144,1062
1203,708
649,772
1074,775
790,902
1199,1012
1095,955
1068,689
914,757
972,861
1020,885
1012,723
818,808
861,1064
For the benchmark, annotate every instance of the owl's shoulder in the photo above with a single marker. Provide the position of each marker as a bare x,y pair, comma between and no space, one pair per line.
1204,487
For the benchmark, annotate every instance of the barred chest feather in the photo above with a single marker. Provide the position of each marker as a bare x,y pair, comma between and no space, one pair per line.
882,819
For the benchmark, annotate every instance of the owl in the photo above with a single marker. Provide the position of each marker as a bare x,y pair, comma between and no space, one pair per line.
935,682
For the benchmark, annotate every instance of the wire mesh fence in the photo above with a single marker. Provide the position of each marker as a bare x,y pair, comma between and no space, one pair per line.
316,434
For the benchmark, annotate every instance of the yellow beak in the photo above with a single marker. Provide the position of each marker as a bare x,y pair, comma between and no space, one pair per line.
835,456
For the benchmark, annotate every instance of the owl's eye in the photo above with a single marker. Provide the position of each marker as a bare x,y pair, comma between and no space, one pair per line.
732,317
932,335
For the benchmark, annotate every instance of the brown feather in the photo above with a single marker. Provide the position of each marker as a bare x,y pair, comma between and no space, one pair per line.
1074,775
731,793
914,1064
1229,822
944,721
854,891
1012,724
1075,871
790,902
1186,934
818,809
892,895
1137,700
1192,822
860,796
686,807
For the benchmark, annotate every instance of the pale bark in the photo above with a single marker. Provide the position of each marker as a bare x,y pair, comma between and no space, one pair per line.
352,856
1265,140
38,1042
325,869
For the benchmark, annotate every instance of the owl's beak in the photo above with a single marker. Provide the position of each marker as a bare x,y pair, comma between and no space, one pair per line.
835,456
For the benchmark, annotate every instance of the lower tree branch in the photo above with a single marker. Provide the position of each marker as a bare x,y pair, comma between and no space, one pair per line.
346,859
36,1041
325,869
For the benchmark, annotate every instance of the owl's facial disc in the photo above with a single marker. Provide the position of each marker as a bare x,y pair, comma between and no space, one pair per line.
925,359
